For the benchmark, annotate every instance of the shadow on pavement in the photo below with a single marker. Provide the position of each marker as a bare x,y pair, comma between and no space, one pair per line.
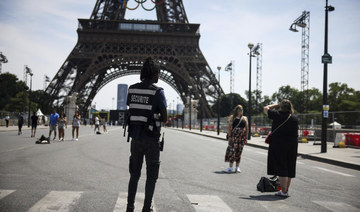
224,172
266,197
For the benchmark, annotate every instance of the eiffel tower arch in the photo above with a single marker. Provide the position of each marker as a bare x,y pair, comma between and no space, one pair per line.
110,46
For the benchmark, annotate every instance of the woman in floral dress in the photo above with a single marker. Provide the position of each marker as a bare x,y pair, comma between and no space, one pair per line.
238,130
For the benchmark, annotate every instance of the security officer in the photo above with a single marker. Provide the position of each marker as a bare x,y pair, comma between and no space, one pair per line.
147,108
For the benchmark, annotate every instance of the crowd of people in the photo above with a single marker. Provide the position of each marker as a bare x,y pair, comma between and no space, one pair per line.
58,124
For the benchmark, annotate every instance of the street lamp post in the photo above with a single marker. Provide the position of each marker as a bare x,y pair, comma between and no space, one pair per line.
177,115
173,118
190,106
28,71
326,58
201,115
218,107
250,45
183,112
252,53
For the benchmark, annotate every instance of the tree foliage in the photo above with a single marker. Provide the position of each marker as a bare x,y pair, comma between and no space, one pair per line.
227,103
14,96
10,86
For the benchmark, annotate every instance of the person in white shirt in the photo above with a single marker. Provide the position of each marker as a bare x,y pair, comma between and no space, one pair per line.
97,123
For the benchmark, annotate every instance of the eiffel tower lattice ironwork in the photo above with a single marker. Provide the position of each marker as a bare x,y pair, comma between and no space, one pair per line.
110,46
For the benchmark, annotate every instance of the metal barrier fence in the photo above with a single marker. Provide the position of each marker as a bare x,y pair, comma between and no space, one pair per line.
309,124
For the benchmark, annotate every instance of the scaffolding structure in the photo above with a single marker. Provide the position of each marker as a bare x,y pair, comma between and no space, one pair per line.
303,21
259,74
231,68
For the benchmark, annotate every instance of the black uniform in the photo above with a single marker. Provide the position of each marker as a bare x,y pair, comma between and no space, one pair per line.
145,103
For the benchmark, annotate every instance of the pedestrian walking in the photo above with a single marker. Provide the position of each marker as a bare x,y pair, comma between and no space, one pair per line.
147,108
97,123
7,118
62,123
76,125
104,123
34,123
20,123
237,132
53,123
283,146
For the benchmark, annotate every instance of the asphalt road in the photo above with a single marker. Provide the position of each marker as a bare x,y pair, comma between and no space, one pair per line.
92,175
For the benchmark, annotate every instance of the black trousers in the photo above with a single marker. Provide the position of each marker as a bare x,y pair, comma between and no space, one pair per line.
148,147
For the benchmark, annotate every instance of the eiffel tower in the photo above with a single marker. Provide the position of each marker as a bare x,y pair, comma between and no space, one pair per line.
110,46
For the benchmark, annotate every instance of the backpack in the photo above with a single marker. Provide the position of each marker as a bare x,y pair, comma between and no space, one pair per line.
268,184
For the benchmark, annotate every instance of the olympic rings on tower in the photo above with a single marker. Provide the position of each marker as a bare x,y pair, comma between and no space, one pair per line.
155,2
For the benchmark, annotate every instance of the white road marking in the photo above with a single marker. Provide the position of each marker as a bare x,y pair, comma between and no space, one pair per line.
121,202
57,201
335,172
276,206
337,206
300,163
208,203
4,193
258,152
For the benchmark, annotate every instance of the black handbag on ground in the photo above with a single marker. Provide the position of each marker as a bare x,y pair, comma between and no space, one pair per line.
268,184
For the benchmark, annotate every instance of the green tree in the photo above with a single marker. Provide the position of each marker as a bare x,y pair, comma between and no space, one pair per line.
227,103
314,103
19,103
42,99
10,86
343,98
259,102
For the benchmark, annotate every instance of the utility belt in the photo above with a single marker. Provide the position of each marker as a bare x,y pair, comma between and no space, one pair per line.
152,124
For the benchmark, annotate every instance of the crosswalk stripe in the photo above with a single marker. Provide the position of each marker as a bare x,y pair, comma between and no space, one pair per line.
57,201
337,206
63,201
4,193
121,202
208,203
275,206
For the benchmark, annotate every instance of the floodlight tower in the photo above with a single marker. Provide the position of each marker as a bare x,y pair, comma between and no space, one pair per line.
46,80
3,59
303,21
231,68
258,74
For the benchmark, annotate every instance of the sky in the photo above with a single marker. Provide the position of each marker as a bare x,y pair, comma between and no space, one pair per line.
42,33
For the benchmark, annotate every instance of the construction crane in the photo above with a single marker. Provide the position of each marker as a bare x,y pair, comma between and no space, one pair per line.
303,21
3,59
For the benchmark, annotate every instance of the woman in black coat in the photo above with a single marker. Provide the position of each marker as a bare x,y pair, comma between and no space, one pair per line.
283,147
